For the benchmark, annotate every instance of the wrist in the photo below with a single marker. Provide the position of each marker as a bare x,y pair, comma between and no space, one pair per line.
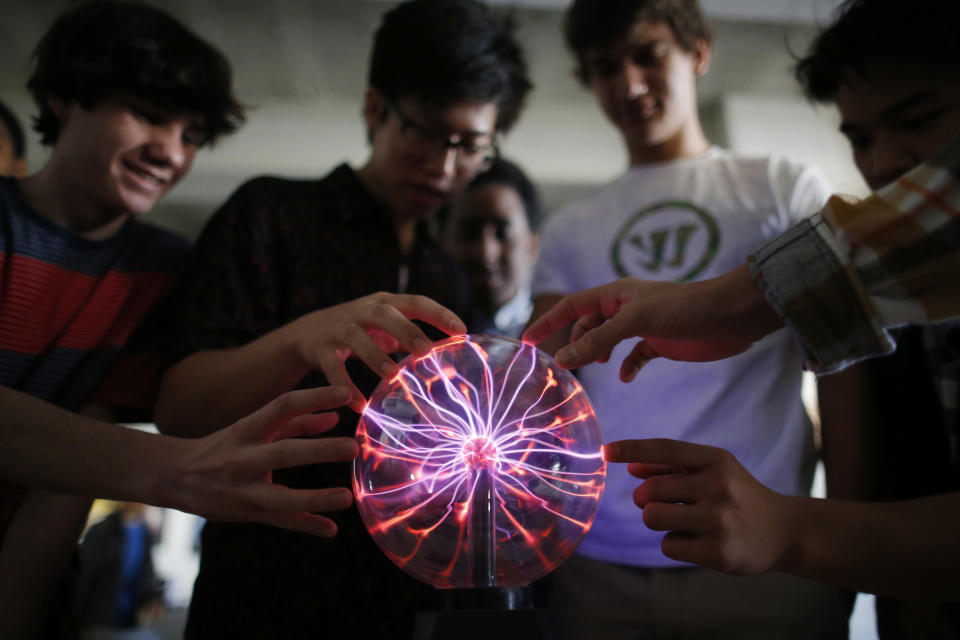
296,363
749,313
793,551
164,479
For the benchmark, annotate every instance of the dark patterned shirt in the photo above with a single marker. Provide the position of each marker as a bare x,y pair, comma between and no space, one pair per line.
279,249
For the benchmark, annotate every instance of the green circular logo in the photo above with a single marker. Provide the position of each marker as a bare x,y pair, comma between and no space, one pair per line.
672,240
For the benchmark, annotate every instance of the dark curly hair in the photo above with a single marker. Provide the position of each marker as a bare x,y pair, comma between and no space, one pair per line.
99,48
865,32
589,24
448,51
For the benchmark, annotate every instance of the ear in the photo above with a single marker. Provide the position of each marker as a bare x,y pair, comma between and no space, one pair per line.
19,168
701,57
372,111
533,246
59,108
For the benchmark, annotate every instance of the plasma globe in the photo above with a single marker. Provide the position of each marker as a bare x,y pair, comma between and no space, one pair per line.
480,464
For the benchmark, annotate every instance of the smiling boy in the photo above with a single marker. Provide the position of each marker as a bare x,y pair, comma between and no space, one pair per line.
684,210
126,96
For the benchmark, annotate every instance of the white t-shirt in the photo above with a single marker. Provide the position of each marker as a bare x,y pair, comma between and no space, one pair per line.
690,219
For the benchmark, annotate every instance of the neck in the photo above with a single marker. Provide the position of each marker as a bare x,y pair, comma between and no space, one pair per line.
65,205
689,142
405,228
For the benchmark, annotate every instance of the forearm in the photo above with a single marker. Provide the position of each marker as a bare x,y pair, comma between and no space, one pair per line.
736,305
44,446
209,390
847,428
902,549
35,554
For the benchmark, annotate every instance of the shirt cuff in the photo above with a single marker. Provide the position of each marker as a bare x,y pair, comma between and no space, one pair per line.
813,290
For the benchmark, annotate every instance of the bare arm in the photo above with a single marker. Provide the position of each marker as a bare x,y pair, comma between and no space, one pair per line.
846,418
224,476
210,389
718,515
34,555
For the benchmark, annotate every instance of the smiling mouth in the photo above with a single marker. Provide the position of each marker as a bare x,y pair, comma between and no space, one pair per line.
145,175
641,112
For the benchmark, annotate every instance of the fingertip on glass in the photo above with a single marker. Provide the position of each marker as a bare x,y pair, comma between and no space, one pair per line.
421,346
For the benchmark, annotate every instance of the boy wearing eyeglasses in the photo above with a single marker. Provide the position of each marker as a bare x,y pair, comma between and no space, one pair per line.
311,282
684,210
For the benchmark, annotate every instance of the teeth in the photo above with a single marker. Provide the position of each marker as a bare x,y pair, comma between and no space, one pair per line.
147,176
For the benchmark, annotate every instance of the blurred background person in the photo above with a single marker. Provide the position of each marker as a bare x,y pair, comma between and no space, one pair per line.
492,231
119,592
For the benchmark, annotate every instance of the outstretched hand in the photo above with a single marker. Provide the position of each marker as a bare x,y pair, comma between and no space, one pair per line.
369,328
227,475
698,321
716,514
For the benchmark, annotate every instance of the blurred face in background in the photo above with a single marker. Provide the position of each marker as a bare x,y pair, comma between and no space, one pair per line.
489,234
897,115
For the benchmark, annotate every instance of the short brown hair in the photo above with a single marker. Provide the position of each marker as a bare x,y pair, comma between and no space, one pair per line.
589,24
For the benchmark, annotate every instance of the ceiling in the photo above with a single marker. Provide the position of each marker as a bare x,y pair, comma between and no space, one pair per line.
301,66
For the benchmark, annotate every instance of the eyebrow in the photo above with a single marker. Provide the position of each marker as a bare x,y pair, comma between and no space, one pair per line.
433,121
596,55
911,101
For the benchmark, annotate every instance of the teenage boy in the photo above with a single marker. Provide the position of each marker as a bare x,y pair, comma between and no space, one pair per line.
13,148
126,95
837,281
683,211
297,282
491,229
898,104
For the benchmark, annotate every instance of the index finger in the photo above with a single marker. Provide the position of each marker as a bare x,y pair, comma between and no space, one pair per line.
568,309
430,311
270,418
661,451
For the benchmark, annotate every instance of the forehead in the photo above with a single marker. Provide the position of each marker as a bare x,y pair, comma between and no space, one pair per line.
883,87
473,118
129,101
494,203
642,34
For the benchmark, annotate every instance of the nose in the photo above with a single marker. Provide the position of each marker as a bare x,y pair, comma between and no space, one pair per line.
443,162
490,246
166,147
888,159
632,79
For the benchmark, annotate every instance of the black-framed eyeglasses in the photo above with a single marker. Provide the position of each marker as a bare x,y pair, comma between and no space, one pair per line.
426,141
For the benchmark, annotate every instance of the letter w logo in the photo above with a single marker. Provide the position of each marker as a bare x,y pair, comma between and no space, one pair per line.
654,246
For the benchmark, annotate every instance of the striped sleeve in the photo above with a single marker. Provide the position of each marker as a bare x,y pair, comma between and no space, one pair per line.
843,276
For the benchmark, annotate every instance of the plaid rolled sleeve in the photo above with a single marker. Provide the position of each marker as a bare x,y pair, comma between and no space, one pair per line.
839,278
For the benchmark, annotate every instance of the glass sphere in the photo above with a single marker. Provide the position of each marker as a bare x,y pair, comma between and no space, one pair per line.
480,464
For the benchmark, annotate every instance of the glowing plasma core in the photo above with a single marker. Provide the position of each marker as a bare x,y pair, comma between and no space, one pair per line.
480,464
479,452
